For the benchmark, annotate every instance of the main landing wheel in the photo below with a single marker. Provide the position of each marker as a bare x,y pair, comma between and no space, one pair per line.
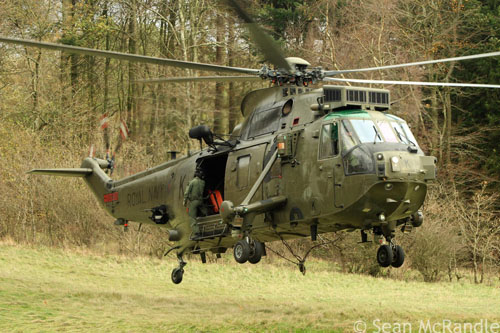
241,251
385,255
399,257
177,274
256,254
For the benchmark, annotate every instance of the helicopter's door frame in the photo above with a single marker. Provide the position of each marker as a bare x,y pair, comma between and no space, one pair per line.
338,175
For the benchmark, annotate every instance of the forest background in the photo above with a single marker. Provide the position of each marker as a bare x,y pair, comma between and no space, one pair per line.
51,102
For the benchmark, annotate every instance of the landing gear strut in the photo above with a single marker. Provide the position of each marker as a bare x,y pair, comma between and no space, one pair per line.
178,272
389,254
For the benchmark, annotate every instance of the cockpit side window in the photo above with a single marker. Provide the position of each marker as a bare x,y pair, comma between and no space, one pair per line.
409,134
329,143
348,139
404,133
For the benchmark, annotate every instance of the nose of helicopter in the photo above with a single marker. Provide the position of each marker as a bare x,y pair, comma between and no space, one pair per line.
401,186
397,199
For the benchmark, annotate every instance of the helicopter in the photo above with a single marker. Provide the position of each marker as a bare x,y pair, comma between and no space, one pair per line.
305,161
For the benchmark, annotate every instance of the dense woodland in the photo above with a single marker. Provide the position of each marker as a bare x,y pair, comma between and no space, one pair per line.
51,102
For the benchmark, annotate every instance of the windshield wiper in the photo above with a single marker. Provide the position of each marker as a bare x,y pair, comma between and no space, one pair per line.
376,134
407,141
400,136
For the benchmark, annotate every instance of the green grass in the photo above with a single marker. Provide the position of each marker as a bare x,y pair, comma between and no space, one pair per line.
53,290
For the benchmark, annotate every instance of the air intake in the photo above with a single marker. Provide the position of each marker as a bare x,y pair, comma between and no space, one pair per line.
356,96
342,97
332,94
379,97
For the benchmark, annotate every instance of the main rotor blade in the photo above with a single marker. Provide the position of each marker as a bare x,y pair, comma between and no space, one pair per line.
419,63
201,78
128,57
417,83
266,44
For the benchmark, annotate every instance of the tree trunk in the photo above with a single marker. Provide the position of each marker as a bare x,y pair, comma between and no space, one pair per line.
219,88
184,47
68,62
231,45
132,69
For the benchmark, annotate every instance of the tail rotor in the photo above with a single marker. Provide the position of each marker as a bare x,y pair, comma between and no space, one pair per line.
110,159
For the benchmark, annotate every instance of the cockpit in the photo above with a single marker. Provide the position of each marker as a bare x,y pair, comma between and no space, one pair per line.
357,136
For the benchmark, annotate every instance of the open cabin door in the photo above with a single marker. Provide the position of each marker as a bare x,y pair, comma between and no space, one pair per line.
242,170
214,167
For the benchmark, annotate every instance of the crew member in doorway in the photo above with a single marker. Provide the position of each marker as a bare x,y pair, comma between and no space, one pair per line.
193,198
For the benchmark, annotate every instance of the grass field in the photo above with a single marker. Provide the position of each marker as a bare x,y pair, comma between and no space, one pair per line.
53,290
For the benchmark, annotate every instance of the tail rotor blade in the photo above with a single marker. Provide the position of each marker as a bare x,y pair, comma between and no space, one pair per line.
124,134
104,125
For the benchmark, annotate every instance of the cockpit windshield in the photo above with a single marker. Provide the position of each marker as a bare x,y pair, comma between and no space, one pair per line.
366,130
355,134
409,134
387,132
404,133
359,137
402,130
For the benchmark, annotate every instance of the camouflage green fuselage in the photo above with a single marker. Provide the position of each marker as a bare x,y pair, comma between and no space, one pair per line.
329,191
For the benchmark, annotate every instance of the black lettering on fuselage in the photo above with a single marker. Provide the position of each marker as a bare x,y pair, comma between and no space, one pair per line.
152,195
135,198
156,192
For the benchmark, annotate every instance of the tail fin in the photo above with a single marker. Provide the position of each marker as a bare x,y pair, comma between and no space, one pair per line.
77,172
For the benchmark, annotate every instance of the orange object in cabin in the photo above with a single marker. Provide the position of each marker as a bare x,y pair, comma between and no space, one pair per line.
215,199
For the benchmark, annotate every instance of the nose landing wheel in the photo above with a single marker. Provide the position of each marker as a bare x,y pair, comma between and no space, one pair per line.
384,255
390,255
399,256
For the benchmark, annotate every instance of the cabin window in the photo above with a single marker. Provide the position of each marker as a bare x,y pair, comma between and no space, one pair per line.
243,172
329,143
287,108
264,121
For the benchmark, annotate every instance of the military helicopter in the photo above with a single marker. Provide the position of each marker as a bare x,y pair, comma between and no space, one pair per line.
305,161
